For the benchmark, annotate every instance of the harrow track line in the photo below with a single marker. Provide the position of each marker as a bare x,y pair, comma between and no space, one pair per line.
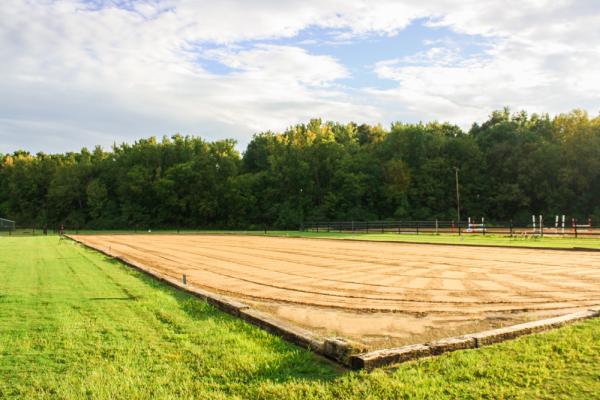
404,275
157,254
516,292
522,275
324,293
373,309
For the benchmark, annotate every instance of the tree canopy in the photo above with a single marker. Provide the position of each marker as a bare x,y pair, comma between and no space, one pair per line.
511,166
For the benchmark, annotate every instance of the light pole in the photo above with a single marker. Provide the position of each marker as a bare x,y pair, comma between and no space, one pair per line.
457,197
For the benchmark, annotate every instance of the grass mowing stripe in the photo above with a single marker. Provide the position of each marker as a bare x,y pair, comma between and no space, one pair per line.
75,324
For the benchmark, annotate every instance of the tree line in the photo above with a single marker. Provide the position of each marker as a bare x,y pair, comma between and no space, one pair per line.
510,166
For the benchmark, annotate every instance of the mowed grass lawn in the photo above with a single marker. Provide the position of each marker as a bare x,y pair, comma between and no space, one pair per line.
75,324
466,240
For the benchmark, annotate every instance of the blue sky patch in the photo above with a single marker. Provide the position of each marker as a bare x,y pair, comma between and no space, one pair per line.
359,54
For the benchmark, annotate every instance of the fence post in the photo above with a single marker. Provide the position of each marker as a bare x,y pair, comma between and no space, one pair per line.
459,232
382,226
436,227
367,226
575,225
511,228
352,226
417,227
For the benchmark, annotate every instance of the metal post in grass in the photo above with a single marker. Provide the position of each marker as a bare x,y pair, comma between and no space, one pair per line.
541,226
367,226
436,227
575,226
511,228
184,279
417,227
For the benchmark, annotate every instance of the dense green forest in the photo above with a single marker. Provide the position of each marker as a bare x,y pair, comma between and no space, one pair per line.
510,167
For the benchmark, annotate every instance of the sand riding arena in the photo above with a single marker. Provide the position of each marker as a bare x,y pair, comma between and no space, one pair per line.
379,294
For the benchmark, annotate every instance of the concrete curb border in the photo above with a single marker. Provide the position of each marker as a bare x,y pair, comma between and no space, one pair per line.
345,352
380,358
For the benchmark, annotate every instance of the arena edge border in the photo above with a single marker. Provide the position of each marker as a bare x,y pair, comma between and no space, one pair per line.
336,349
350,354
380,358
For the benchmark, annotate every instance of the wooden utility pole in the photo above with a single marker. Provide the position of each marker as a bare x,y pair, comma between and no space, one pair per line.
457,197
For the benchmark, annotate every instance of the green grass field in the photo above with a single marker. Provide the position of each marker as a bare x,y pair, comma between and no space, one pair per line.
75,324
471,240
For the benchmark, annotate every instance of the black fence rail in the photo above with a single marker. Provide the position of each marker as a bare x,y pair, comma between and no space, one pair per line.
572,228
38,230
32,230
382,226
454,227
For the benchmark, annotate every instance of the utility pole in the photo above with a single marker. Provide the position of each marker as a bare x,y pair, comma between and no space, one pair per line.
457,197
301,210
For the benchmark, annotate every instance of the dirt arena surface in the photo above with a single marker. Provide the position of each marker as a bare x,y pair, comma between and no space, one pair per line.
381,294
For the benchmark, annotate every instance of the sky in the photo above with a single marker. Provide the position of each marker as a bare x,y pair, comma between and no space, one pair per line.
77,73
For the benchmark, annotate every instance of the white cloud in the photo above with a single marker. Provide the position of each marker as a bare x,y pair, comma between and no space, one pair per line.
541,59
291,63
74,74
